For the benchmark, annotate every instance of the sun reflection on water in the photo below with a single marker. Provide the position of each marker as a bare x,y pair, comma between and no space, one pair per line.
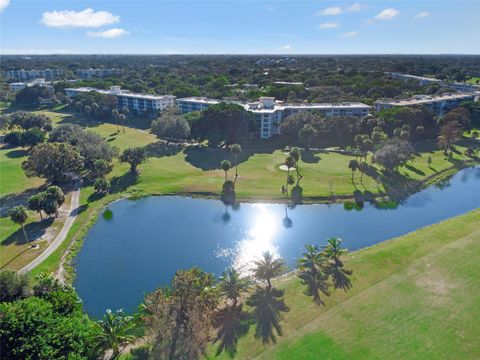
259,238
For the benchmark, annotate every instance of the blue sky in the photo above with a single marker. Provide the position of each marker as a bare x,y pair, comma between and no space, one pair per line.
239,27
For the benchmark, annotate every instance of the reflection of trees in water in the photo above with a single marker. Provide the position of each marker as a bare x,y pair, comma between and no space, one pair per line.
108,214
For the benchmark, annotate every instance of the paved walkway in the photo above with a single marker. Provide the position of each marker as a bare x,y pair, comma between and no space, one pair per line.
72,215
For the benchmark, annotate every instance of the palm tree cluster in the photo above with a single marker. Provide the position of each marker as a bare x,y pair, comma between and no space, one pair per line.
319,269
267,303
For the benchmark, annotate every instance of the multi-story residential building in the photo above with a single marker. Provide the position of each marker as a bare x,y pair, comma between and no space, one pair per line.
17,86
422,81
439,104
269,114
138,103
86,74
21,74
190,104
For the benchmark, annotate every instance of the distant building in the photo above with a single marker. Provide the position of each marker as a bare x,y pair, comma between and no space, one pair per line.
275,61
288,83
422,81
17,86
439,104
138,103
269,114
21,74
86,74
194,103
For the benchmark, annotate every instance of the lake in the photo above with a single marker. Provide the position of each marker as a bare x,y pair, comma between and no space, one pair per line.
145,241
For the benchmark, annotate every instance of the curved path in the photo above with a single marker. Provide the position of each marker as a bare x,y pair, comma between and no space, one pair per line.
72,215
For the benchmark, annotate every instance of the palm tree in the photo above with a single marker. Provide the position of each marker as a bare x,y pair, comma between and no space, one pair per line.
295,154
236,149
268,305
232,285
232,323
95,108
333,250
19,215
122,118
226,165
353,165
115,117
113,333
312,273
289,163
340,276
267,268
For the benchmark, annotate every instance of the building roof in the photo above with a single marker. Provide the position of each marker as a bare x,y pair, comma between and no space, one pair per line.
199,99
425,99
120,92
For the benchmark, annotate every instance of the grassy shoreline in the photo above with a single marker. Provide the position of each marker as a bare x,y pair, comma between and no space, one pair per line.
411,298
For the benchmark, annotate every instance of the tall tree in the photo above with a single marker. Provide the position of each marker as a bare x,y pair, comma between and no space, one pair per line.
296,154
450,133
35,203
226,165
341,277
306,133
134,157
115,117
19,215
268,267
236,149
312,272
179,318
55,162
232,285
113,332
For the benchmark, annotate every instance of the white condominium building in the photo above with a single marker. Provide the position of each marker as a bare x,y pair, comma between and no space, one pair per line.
139,103
17,86
97,73
269,114
21,74
439,104
422,81
193,103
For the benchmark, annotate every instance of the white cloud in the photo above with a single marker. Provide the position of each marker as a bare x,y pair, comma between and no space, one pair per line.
4,4
350,34
269,8
334,10
329,25
108,34
337,10
422,14
286,47
387,14
355,7
86,18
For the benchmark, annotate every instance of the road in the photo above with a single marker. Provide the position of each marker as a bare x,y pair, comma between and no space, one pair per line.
72,215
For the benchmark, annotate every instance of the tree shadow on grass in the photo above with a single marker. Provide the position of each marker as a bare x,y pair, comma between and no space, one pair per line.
16,153
232,323
34,230
414,169
310,157
162,148
122,183
10,200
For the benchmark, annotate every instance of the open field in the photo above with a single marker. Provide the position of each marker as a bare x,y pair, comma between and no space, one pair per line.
415,297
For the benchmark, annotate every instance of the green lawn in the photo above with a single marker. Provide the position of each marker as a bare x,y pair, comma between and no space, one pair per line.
415,297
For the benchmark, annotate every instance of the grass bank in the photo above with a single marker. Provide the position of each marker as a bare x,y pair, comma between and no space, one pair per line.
414,297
